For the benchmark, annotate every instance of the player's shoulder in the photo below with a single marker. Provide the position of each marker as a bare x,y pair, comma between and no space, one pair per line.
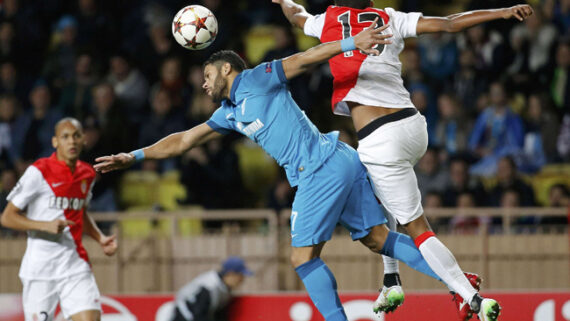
42,164
85,168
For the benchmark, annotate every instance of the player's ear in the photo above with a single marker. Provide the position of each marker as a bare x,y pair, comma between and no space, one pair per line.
54,142
226,68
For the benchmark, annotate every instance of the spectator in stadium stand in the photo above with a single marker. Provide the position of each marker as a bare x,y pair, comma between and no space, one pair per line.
559,77
563,141
558,196
75,99
95,28
509,179
9,144
207,296
497,132
453,127
59,67
110,115
430,173
411,71
460,181
543,124
38,122
162,121
438,54
12,83
212,175
49,202
467,83
129,84
172,81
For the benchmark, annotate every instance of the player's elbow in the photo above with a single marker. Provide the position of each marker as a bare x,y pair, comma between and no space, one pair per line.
5,220
449,25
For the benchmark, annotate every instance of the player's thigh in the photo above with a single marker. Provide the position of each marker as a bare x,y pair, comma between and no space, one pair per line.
389,154
79,293
40,299
320,199
361,211
88,315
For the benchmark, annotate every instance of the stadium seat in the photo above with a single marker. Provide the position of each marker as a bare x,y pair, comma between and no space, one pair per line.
138,188
258,170
258,40
170,190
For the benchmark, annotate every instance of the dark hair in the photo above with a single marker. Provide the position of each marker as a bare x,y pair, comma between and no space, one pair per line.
228,56
562,187
356,4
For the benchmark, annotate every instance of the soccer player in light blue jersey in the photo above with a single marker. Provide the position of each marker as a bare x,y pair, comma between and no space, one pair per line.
332,182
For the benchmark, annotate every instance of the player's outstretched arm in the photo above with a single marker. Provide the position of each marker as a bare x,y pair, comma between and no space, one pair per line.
459,21
364,41
295,13
171,145
108,243
14,218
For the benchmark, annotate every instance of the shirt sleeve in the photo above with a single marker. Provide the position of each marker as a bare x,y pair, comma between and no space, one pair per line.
404,23
265,77
26,189
219,122
314,25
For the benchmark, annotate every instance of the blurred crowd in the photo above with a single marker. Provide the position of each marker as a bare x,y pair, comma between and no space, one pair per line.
496,96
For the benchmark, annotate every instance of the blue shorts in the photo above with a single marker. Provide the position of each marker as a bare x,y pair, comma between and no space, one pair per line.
338,192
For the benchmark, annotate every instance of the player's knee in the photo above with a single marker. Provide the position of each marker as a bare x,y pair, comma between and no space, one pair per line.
298,259
376,238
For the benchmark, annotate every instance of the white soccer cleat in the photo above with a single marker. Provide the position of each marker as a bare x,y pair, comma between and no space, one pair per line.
389,299
490,310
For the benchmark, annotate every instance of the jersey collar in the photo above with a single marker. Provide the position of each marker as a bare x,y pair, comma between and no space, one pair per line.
235,84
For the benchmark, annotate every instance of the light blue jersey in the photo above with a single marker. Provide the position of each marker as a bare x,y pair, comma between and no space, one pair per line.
332,183
261,107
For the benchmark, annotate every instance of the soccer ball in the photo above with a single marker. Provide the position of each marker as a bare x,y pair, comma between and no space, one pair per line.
194,27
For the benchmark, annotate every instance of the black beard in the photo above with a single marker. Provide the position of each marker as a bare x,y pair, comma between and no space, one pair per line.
220,86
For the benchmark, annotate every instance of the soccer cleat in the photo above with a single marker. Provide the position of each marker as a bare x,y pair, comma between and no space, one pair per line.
463,309
389,299
490,310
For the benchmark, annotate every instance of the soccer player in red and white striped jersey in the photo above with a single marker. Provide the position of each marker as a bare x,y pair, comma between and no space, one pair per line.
49,203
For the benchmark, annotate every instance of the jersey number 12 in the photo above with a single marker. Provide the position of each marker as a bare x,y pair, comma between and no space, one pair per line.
344,20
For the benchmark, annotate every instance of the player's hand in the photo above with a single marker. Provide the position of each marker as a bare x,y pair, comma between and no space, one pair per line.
277,1
57,226
370,37
109,244
521,12
106,164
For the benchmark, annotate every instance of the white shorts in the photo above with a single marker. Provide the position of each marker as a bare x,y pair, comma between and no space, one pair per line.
74,294
389,153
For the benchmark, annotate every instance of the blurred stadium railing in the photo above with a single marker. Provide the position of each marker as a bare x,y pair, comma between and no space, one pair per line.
161,251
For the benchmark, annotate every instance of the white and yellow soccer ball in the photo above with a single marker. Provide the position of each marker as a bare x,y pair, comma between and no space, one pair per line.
194,27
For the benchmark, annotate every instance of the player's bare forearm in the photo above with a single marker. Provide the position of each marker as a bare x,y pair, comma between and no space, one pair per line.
364,41
178,143
170,146
460,21
295,13
14,218
90,228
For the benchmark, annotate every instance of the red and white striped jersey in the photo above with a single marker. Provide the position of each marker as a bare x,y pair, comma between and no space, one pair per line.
367,80
48,190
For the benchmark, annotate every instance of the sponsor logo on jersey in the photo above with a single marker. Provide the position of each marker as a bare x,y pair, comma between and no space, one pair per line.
66,203
250,129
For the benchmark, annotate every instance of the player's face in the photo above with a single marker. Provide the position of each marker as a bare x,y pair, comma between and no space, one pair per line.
68,141
214,84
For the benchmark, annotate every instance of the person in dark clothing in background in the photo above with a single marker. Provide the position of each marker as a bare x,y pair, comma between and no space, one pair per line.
207,296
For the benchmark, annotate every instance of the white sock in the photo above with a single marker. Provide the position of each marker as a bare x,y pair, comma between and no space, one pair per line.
443,263
390,264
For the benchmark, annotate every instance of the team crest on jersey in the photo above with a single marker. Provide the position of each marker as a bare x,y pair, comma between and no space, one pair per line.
268,67
84,186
